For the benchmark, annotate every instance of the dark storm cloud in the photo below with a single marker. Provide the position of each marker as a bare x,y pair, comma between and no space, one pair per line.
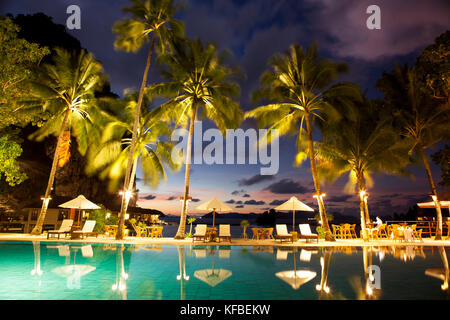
246,195
288,186
254,202
230,201
171,198
195,200
239,206
238,192
239,202
277,202
254,180
148,197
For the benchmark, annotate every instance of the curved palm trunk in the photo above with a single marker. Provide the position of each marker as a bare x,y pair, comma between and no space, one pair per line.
126,186
312,157
182,227
434,192
40,222
362,205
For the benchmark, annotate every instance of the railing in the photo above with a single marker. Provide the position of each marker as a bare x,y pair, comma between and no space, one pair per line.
428,227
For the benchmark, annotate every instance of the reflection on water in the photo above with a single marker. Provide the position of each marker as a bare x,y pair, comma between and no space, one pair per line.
93,271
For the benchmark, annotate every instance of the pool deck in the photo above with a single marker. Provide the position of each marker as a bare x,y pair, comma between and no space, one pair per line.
234,242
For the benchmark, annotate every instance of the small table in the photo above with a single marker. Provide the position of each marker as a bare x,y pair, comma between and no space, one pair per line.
111,230
294,235
262,233
211,233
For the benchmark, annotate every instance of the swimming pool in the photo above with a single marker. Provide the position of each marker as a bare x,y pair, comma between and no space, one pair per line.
56,271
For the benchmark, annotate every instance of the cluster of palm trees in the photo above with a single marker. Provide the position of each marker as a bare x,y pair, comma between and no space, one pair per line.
300,93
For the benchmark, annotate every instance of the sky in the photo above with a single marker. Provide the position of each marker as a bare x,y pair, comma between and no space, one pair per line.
254,31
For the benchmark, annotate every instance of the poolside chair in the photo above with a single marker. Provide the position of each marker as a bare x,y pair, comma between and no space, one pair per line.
88,230
157,232
224,232
224,253
305,255
86,251
282,233
305,232
200,232
417,233
65,228
336,231
200,252
282,254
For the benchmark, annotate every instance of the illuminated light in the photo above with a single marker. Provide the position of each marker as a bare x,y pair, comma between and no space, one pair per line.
127,216
122,287
108,215
326,289
179,277
371,277
318,287
444,286
114,287
369,290
186,278
434,197
362,193
128,194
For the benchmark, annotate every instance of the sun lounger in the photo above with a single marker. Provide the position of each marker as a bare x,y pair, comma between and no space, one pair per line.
200,232
65,228
282,233
305,232
200,252
224,232
224,253
86,251
88,230
282,254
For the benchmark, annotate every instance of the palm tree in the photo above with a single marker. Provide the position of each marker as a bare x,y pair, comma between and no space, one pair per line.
361,143
65,89
153,17
300,84
421,120
151,153
197,79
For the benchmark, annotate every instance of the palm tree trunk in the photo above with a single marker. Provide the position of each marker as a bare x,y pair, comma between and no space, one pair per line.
126,186
362,208
434,192
40,222
182,227
312,157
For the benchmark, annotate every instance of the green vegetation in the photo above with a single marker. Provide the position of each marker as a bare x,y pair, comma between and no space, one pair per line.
300,84
198,79
9,152
150,17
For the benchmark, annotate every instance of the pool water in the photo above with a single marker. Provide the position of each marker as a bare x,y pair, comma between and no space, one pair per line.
50,271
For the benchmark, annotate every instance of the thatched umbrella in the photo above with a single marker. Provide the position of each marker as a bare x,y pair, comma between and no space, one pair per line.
80,203
215,205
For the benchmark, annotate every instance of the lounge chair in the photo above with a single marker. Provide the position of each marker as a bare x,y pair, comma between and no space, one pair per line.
157,232
224,253
305,255
65,228
86,251
305,232
200,252
282,254
88,230
282,233
200,232
224,232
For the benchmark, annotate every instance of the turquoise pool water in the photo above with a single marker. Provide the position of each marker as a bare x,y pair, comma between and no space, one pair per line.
51,271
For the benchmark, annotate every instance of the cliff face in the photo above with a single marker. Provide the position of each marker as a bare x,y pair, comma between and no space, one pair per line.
70,180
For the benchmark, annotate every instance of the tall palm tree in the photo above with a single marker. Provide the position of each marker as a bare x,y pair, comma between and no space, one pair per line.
197,79
66,90
361,143
300,84
148,17
151,153
421,120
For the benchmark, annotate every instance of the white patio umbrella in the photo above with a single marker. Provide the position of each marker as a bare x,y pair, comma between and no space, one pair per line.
80,203
215,205
212,276
296,278
294,204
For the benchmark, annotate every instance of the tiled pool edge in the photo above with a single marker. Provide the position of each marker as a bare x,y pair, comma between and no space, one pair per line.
235,242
